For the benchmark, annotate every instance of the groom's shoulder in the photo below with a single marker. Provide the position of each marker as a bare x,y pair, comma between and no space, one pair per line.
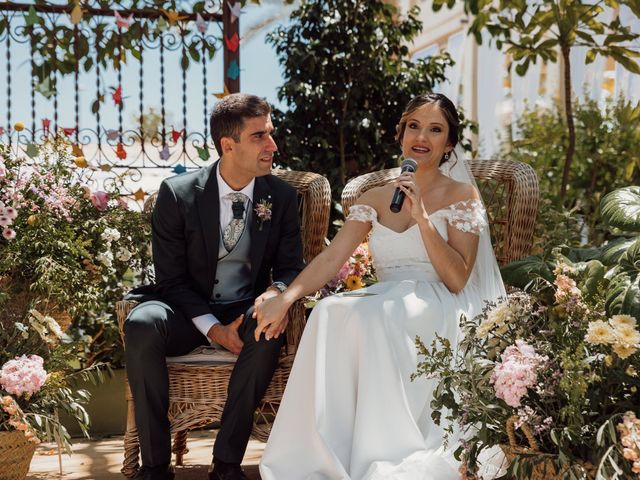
187,181
279,185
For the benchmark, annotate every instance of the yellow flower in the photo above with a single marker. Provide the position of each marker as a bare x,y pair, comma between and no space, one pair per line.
32,220
620,320
600,333
18,126
631,371
627,335
353,282
624,351
81,162
608,360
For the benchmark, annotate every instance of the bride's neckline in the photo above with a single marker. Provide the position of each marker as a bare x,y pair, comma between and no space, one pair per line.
415,224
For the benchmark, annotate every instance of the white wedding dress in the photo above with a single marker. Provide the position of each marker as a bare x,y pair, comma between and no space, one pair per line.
350,410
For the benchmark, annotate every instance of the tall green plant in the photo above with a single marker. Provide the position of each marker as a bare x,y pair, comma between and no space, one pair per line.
538,29
608,145
348,76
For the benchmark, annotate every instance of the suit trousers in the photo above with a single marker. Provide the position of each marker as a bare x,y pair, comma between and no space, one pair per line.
155,330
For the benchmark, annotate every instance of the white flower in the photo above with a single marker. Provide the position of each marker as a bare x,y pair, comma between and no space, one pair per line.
110,235
105,258
124,255
600,333
620,320
365,123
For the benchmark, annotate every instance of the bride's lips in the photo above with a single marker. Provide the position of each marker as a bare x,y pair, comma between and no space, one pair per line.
421,150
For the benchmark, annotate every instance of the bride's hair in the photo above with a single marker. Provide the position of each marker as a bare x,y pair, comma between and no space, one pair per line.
447,108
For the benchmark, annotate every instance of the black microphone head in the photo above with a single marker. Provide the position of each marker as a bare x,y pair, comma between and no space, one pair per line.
409,165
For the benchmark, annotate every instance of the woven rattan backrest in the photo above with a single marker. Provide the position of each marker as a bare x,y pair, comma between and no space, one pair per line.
314,206
509,190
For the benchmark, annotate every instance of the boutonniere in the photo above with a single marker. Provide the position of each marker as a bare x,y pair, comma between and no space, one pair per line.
263,211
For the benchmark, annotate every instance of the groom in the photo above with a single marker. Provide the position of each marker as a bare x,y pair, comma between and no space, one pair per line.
216,251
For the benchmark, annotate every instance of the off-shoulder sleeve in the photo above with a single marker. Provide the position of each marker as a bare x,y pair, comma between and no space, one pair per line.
362,213
467,216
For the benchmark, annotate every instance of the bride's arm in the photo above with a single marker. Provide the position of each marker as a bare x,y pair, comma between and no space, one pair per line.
316,275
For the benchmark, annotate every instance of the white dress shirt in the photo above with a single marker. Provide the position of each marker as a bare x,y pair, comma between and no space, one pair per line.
204,322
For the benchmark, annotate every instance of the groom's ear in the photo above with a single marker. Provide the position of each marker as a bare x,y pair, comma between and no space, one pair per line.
226,143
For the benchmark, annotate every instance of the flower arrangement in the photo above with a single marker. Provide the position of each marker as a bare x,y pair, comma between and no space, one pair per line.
67,249
357,272
263,211
552,362
37,379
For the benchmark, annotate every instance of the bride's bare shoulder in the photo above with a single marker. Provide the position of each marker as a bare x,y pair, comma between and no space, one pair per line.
459,191
376,196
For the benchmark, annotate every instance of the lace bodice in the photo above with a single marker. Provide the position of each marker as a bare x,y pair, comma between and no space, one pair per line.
399,255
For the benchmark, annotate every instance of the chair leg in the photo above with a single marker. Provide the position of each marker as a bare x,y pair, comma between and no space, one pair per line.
131,464
180,445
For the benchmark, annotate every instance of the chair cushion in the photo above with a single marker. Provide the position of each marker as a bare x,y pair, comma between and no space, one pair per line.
205,355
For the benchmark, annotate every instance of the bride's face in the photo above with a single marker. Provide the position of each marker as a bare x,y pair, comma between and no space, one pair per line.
426,136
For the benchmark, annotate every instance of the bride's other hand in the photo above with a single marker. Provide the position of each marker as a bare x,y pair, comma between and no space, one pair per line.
272,317
413,201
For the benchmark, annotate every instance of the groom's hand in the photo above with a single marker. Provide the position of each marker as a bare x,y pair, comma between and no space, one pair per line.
227,335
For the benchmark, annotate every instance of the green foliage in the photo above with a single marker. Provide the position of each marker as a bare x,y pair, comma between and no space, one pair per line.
532,30
611,271
608,157
67,248
348,77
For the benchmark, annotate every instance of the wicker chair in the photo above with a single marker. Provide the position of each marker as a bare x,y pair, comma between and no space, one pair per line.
198,392
510,192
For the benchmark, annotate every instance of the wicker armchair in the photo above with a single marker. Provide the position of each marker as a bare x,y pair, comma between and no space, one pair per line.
198,392
510,192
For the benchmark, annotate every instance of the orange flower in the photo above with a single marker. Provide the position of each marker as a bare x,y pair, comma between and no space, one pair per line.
353,282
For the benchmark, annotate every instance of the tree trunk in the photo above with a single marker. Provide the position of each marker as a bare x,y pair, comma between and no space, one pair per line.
569,114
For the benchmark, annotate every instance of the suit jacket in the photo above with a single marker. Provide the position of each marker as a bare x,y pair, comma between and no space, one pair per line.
186,236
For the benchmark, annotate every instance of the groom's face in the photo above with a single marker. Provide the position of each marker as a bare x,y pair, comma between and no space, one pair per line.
252,156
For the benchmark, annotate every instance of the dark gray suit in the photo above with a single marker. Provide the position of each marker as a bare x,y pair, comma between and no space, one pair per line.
186,236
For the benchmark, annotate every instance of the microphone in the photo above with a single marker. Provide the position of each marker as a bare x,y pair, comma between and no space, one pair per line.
408,165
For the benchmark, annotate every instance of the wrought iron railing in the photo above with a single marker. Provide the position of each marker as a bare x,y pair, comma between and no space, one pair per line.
145,105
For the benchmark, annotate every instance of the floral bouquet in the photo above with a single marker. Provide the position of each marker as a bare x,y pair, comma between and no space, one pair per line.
356,273
548,376
37,380
66,249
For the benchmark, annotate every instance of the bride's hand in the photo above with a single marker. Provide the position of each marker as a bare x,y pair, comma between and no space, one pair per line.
413,201
271,315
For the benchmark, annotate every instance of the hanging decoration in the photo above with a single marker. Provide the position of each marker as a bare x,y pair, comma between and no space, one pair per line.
121,153
235,9
178,169
122,22
232,43
176,134
233,72
165,153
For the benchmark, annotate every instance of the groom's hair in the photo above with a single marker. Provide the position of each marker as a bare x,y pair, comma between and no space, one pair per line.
227,118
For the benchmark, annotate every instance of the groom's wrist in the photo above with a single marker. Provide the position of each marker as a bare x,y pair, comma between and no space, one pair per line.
280,287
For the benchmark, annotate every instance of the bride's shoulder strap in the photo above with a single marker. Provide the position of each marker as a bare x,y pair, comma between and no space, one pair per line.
467,215
362,213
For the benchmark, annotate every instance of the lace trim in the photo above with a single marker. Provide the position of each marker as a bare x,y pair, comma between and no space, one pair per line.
467,216
362,213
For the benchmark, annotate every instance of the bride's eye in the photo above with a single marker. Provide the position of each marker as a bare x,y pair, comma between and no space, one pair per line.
436,129
412,125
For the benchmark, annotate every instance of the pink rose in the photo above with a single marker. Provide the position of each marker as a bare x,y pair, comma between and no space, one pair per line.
23,375
99,200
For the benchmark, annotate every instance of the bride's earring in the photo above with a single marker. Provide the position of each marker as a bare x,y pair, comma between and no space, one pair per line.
446,156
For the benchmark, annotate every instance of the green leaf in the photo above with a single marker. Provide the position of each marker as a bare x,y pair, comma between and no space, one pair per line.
521,272
611,253
621,209
590,56
31,18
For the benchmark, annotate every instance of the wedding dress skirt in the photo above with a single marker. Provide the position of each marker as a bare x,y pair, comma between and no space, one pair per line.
350,410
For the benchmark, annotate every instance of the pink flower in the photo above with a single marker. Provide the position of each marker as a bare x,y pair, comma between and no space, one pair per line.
23,375
9,233
100,200
122,203
11,212
517,372
5,221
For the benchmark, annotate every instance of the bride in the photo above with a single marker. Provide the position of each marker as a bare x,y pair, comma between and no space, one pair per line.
350,409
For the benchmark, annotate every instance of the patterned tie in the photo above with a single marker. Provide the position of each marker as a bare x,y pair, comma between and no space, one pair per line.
234,230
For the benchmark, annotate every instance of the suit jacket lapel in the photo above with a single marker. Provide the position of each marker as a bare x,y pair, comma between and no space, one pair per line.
209,211
259,228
